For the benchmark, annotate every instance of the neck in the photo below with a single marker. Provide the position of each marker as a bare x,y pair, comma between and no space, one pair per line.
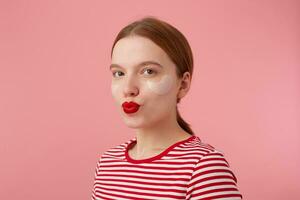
159,138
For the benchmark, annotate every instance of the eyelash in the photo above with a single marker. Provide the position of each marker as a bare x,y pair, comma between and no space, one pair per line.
153,71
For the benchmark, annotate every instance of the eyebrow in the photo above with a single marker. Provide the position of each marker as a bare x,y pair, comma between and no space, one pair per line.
138,65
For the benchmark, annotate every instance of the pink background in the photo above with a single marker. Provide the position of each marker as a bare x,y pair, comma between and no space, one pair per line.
56,110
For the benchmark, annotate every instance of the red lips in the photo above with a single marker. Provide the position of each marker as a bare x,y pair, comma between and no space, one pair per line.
130,107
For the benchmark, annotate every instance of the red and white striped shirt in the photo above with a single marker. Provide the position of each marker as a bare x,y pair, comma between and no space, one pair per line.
189,169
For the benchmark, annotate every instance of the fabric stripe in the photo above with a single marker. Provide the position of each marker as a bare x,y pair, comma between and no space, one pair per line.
189,169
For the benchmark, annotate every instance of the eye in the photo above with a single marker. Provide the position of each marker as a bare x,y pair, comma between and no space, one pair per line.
116,72
150,71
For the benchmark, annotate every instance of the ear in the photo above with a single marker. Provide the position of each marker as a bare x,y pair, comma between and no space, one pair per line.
184,85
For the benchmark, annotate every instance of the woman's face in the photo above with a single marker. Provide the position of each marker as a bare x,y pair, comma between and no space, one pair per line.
136,77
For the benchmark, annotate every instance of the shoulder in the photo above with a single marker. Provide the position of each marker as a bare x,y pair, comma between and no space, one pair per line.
210,158
115,150
210,171
200,148
207,156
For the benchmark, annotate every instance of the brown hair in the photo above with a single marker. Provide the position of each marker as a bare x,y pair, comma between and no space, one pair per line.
171,40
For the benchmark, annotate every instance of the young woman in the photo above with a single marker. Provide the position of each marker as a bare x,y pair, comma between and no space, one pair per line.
152,67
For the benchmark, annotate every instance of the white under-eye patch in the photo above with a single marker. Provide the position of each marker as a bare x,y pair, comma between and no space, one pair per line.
115,88
161,87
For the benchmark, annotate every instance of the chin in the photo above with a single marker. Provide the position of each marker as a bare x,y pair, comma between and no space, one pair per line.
133,122
133,125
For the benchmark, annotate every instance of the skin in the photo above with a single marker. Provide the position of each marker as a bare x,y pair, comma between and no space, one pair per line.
161,87
155,88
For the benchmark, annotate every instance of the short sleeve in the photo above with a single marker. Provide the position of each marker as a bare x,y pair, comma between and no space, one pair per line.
93,197
213,179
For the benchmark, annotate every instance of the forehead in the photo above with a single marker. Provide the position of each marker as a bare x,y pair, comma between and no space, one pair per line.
133,50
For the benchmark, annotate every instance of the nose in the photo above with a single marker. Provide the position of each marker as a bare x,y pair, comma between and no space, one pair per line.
130,88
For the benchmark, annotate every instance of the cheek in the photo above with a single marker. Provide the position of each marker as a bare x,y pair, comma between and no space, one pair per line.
161,87
115,89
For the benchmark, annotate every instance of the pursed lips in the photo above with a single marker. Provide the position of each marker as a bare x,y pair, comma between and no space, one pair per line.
130,107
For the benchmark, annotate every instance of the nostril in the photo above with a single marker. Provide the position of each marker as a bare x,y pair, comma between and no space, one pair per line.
131,91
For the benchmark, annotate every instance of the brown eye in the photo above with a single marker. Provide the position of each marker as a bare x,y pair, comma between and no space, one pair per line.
149,71
116,72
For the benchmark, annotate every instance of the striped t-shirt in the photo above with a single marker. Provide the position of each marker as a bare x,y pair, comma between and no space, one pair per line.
188,169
